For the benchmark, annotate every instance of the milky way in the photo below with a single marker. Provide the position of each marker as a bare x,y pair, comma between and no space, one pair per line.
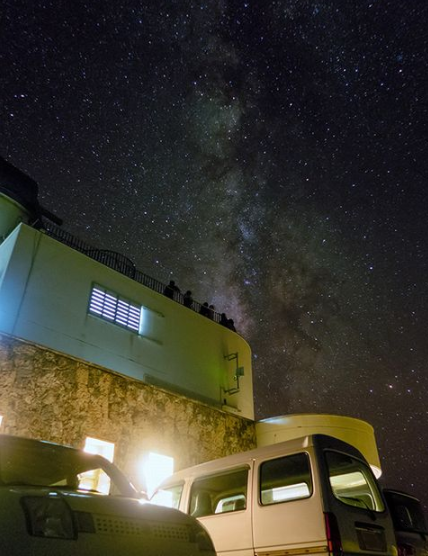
271,157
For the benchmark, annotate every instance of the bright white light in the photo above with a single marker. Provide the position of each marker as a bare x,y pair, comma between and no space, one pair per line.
97,479
163,498
143,320
155,469
100,447
1,419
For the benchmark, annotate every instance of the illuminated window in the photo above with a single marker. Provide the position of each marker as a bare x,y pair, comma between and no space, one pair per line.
99,447
1,420
352,482
155,469
284,479
112,307
97,479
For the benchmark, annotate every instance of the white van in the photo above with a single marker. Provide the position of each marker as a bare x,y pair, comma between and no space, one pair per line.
313,495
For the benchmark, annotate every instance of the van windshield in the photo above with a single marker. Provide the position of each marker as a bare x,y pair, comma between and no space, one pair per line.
168,496
352,482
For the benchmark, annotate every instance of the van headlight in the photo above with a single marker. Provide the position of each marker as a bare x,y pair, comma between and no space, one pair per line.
48,517
199,535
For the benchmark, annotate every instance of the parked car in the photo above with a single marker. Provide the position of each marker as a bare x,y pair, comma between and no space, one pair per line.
409,523
313,495
56,500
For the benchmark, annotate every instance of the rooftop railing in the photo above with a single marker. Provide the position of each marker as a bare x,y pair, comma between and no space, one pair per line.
120,263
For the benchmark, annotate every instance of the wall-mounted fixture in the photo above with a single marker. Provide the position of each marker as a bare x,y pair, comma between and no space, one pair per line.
239,371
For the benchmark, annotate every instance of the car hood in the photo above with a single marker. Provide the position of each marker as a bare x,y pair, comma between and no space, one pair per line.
93,502
112,512
107,525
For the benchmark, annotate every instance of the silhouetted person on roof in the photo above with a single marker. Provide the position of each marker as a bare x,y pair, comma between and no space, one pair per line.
231,325
224,320
170,289
204,309
210,313
187,299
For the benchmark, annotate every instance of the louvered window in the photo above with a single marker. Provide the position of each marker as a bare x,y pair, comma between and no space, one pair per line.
112,307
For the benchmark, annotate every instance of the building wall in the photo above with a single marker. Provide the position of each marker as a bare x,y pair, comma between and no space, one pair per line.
48,395
45,288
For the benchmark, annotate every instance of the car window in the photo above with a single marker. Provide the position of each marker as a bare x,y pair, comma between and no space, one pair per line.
352,482
220,493
168,496
285,479
27,462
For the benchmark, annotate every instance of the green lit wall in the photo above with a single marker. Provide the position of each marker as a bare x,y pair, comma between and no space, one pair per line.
44,296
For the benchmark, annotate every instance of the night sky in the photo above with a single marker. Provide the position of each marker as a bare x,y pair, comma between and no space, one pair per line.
271,156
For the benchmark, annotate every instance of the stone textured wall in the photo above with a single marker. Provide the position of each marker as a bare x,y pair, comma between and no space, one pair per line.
51,396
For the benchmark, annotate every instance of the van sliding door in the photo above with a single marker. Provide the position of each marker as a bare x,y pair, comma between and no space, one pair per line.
222,502
288,514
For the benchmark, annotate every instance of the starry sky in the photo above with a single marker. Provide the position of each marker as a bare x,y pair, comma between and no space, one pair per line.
271,157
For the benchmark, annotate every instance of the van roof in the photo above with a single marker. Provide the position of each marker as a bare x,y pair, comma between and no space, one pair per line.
242,458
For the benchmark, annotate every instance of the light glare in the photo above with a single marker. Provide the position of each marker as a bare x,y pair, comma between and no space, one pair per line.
156,468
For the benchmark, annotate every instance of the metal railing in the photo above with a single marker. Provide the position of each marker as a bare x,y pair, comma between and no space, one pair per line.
120,263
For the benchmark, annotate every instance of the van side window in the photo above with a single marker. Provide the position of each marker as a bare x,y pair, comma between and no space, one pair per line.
218,494
352,482
168,496
284,479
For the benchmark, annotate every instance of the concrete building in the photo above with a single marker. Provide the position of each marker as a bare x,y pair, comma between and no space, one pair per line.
58,297
84,308
92,352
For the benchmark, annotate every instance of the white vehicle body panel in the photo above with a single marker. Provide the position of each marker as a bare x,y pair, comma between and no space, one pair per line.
296,523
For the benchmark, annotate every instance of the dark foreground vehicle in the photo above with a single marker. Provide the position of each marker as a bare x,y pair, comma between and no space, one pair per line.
409,523
56,500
